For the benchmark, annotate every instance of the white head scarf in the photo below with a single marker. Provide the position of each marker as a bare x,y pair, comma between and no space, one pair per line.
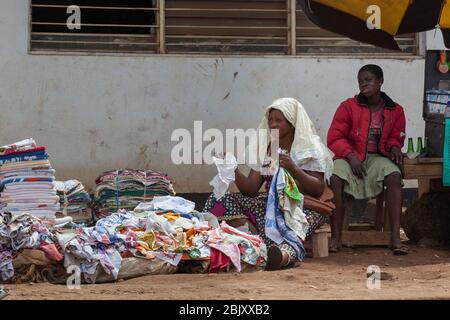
307,150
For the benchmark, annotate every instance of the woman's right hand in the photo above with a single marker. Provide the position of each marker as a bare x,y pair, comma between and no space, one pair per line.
357,166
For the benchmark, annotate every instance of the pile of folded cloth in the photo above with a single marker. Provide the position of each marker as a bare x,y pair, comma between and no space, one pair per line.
126,188
74,201
165,235
169,229
27,180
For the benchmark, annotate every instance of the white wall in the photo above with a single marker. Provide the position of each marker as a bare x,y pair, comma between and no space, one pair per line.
96,113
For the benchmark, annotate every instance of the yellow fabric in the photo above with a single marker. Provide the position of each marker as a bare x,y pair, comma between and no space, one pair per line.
392,11
171,216
444,21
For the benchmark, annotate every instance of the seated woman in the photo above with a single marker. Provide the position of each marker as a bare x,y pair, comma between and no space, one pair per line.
366,135
307,160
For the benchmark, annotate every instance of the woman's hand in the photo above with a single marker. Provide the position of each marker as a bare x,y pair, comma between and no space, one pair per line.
396,155
357,166
286,162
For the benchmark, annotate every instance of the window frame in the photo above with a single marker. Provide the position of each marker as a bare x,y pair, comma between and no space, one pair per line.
291,34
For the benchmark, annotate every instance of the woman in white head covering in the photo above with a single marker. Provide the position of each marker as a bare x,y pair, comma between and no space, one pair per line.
305,158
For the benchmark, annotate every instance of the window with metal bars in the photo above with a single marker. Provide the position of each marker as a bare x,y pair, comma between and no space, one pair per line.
250,27
105,26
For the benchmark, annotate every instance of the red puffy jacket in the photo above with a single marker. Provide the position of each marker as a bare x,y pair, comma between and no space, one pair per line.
349,129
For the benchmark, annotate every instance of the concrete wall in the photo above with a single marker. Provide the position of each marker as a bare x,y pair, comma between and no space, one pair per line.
96,113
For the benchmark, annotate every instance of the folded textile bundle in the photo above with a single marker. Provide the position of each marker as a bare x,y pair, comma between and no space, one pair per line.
27,180
74,201
126,188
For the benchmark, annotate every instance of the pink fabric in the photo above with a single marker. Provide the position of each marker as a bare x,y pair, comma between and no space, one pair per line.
215,241
51,252
219,261
375,131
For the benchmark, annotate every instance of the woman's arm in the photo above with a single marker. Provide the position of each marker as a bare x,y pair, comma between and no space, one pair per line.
248,186
309,182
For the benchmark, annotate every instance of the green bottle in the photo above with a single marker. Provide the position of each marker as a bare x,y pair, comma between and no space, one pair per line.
419,145
410,146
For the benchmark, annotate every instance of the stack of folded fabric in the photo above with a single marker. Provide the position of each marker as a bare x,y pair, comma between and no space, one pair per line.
126,188
74,201
27,180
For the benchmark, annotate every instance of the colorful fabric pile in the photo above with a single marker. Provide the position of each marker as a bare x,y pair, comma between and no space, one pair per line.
164,232
23,231
155,232
126,188
27,180
74,201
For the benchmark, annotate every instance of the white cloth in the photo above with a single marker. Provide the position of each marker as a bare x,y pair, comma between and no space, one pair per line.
225,176
167,203
307,150
293,210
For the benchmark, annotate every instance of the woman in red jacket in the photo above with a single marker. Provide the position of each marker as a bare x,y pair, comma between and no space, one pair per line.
366,135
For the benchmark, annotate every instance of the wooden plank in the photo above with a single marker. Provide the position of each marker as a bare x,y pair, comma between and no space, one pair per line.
422,160
162,26
414,171
226,14
226,4
223,22
292,31
365,238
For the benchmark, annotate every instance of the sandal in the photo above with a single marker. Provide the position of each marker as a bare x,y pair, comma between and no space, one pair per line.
334,247
274,258
400,250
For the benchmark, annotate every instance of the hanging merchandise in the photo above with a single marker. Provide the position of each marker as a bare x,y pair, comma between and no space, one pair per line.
443,65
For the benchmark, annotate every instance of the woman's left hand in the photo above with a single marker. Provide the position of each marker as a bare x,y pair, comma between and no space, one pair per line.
286,162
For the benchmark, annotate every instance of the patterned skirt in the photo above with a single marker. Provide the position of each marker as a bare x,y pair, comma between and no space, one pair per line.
237,206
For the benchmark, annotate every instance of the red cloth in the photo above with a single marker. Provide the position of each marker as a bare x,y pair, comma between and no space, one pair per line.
218,261
349,129
51,252
14,152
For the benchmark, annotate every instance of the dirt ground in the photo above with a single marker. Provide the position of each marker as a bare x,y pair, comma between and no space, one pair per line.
423,274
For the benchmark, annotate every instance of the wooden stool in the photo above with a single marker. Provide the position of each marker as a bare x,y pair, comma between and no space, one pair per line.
319,242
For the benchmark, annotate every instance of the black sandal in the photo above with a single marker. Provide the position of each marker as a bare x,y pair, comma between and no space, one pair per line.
400,250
